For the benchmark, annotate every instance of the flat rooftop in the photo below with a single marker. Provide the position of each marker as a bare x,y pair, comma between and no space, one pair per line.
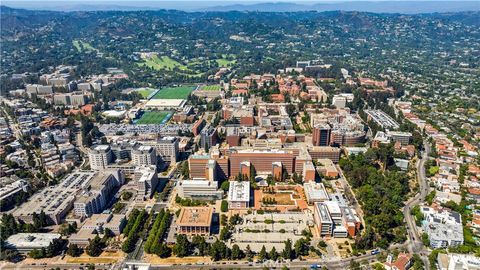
165,103
29,240
195,216
239,191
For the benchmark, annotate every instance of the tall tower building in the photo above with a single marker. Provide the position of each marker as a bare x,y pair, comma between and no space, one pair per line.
321,135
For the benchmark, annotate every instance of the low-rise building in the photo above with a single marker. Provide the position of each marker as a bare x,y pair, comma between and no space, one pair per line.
199,190
98,223
26,242
315,192
195,220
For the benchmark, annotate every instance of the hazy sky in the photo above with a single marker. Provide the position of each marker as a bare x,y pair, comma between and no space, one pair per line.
192,5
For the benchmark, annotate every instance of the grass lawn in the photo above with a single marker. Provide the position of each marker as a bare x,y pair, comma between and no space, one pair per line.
214,87
180,92
145,92
154,117
225,62
167,63
80,46
163,62
433,170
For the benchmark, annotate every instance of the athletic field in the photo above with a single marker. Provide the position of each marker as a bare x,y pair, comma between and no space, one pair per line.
145,92
214,87
181,92
154,117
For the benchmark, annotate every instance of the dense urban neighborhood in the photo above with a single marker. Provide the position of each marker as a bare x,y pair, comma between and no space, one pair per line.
245,140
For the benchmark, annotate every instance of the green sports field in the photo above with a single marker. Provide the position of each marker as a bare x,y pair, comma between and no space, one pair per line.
214,87
180,92
154,117
145,92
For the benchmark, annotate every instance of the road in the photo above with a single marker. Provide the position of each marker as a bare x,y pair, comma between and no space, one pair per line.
72,266
415,244
330,264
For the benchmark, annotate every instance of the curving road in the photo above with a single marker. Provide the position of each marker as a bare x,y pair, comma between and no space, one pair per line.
414,241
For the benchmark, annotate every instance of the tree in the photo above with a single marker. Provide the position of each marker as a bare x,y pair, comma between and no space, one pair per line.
163,251
182,246
236,252
273,254
224,206
301,247
262,255
10,255
354,265
248,253
73,250
94,247
225,185
287,252
38,253
219,250
223,220
225,233
425,239
200,244
55,247
322,244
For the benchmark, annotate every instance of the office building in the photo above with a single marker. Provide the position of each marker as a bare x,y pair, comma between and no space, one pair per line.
401,137
239,195
339,102
147,181
320,152
315,192
262,160
202,190
208,137
321,135
167,148
309,172
323,220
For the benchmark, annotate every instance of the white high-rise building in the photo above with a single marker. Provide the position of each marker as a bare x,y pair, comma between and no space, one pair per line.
100,156
144,156
168,148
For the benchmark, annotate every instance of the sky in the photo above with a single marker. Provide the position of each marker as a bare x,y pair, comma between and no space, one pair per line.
187,5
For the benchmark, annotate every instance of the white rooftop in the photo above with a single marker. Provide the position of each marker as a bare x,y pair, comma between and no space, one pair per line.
31,240
239,191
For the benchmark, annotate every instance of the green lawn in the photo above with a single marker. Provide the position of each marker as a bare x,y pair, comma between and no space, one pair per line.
180,92
433,170
80,46
154,117
167,63
145,92
163,62
225,62
214,87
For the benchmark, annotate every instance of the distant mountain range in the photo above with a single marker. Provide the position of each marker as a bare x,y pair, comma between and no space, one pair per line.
406,7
